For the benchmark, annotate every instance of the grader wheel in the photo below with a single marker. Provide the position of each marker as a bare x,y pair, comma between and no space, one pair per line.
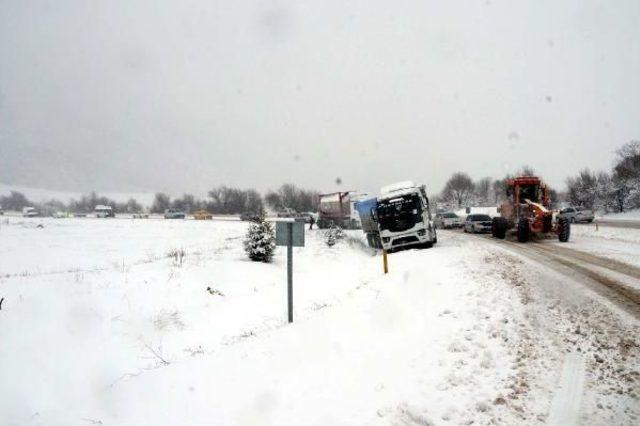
564,230
523,230
499,228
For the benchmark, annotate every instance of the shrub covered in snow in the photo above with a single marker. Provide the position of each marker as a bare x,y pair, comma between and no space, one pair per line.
260,241
177,256
333,235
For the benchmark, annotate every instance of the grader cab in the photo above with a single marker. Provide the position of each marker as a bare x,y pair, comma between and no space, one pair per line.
527,210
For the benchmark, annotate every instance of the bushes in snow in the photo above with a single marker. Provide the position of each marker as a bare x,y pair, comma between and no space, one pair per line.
260,242
178,256
333,235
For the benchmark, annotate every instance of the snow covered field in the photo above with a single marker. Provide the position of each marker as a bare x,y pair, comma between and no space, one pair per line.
100,326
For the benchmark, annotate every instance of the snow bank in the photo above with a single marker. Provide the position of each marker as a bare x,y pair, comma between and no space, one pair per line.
629,215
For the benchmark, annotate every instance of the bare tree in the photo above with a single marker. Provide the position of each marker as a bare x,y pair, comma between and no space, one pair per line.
14,201
526,170
458,189
253,202
188,203
292,197
582,190
131,206
483,192
273,200
161,202
626,176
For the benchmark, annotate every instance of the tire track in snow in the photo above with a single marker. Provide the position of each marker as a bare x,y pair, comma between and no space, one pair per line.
565,259
603,383
611,264
565,407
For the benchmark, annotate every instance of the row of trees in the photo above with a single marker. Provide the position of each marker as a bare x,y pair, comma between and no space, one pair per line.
220,200
17,201
227,200
616,190
461,190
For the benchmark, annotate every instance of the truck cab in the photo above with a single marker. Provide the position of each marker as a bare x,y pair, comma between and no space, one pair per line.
402,218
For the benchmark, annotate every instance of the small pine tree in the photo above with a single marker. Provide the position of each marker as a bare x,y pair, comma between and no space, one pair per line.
259,244
333,235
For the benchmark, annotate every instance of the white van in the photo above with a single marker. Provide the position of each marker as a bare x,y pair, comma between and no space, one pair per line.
30,212
103,211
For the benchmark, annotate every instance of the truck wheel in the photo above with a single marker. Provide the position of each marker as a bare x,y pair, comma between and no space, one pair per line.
564,230
498,228
523,230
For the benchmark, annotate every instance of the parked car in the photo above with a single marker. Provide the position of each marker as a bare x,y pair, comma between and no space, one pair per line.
174,214
249,216
104,211
577,214
30,212
448,220
202,215
478,223
140,215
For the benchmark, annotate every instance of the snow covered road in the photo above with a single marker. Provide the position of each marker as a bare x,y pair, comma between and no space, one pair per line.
99,325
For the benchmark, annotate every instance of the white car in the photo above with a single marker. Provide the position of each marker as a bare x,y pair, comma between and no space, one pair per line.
478,223
577,214
448,220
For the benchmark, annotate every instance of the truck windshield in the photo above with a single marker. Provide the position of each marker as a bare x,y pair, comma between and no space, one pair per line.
399,214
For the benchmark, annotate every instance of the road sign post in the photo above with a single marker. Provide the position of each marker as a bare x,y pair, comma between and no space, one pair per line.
290,234
290,272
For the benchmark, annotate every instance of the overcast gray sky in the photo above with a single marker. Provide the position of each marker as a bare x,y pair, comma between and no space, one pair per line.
125,95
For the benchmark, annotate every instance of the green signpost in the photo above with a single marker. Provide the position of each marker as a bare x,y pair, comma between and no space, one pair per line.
290,234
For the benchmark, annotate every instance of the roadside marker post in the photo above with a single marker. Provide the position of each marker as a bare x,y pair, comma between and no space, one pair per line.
290,234
385,262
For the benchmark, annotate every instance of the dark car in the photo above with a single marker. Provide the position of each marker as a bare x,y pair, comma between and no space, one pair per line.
478,223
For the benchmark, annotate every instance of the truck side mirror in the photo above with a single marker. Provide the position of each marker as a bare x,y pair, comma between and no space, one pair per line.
374,216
